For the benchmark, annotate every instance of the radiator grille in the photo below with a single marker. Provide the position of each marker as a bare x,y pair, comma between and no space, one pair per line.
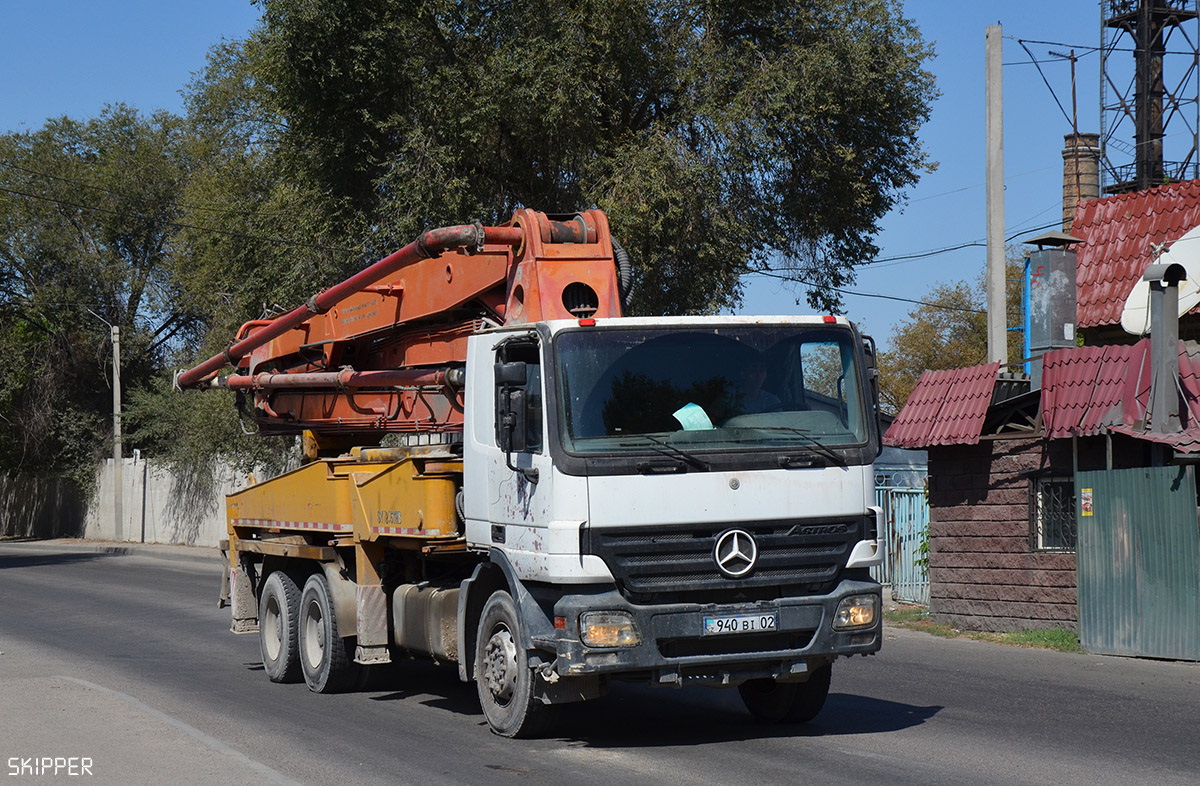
664,563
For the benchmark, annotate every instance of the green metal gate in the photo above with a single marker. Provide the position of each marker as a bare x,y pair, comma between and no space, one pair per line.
1138,562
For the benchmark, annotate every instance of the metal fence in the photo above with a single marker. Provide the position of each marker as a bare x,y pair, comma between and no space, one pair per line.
906,528
1139,562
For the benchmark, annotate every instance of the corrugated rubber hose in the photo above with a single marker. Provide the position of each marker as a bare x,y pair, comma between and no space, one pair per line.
625,273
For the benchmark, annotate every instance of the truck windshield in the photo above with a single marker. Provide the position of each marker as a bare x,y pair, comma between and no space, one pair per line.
727,388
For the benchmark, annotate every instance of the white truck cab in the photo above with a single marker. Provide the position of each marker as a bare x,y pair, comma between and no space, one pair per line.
680,500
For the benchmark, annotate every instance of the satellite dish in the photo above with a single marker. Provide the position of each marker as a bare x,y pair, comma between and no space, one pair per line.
1135,317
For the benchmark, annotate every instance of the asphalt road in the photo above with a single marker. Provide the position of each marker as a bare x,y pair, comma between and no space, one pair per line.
123,659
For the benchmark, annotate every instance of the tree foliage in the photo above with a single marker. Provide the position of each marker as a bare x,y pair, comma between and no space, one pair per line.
86,230
719,136
948,330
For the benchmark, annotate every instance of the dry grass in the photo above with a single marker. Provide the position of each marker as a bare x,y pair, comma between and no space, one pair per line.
917,618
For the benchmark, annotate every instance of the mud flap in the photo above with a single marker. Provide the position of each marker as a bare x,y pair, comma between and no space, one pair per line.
244,605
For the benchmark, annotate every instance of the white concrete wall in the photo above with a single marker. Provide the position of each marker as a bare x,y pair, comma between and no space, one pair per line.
158,507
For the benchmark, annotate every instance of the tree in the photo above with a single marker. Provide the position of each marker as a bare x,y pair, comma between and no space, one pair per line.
948,330
719,136
87,212
255,236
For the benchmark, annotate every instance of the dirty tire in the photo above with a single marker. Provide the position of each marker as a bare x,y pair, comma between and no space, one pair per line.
278,609
326,659
503,678
787,702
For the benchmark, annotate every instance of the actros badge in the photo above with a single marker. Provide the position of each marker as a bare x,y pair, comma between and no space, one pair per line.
736,553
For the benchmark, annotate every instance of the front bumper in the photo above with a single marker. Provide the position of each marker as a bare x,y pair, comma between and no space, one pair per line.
673,650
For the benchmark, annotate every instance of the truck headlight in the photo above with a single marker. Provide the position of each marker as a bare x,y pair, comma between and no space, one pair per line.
856,611
608,629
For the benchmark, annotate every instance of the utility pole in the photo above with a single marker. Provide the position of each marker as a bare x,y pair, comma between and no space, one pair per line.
997,311
118,485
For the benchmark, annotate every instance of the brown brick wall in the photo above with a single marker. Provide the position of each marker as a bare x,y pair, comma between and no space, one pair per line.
983,573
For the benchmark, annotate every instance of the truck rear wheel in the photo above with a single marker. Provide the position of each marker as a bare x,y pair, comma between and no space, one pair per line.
278,608
787,702
503,678
326,659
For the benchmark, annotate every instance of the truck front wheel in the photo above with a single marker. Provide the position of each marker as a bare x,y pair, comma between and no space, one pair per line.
502,674
326,659
787,702
278,607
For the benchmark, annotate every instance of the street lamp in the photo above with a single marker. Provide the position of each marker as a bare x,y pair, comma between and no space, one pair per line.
118,490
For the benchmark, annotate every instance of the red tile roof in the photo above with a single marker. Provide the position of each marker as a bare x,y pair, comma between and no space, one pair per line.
1119,233
1085,391
1083,387
945,408
1088,390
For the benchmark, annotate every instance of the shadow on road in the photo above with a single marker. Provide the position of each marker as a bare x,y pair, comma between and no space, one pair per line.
432,686
61,558
846,713
649,719
633,716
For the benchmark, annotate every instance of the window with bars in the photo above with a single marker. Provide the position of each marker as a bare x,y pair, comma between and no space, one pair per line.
1052,513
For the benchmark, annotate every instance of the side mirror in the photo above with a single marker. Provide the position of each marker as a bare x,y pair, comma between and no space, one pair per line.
871,353
513,420
511,375
512,413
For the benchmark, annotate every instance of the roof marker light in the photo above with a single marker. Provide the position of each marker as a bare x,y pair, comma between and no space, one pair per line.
589,322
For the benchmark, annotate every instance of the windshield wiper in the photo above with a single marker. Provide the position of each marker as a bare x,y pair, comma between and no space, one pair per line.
667,449
814,444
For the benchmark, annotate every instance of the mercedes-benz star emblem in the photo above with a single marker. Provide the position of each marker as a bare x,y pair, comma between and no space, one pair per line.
735,553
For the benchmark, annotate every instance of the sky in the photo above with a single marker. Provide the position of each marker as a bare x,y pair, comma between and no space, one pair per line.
72,57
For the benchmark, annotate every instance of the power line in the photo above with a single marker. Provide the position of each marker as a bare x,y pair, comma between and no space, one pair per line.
1042,74
177,224
775,273
1058,43
770,272
879,261
1089,49
70,180
973,186
923,254
85,184
947,249
806,282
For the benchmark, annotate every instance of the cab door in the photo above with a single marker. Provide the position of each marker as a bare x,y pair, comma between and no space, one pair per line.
508,473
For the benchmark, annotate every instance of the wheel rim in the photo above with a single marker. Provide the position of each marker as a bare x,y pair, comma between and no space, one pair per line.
314,635
500,665
272,626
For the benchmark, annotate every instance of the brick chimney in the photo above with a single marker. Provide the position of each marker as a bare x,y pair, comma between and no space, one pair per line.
1081,173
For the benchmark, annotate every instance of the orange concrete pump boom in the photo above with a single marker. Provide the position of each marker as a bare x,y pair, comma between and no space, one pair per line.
383,351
